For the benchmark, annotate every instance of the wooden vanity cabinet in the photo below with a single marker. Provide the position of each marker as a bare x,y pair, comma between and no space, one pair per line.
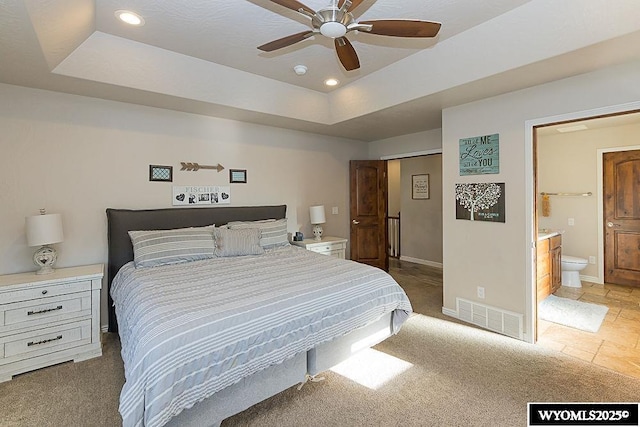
549,270
555,257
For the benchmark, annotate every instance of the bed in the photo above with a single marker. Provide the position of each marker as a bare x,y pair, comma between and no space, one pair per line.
205,339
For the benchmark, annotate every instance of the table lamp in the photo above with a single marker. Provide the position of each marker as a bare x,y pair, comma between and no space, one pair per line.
317,217
44,230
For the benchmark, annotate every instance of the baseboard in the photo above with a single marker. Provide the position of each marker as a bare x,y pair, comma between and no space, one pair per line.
421,261
592,279
449,312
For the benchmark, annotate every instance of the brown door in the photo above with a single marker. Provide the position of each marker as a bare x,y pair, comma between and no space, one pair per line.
368,205
622,217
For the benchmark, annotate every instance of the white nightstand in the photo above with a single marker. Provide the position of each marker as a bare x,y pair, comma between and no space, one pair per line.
49,319
334,246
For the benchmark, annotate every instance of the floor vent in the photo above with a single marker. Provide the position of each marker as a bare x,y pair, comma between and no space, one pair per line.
495,319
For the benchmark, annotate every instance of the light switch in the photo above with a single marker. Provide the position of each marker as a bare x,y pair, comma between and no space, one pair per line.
334,210
572,221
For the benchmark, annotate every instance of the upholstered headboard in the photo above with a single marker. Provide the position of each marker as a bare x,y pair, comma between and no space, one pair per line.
121,221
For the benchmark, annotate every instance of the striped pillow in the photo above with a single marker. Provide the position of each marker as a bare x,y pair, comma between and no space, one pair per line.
237,242
159,247
273,233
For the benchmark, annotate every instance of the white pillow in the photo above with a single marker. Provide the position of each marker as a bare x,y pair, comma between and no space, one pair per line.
237,242
159,247
273,233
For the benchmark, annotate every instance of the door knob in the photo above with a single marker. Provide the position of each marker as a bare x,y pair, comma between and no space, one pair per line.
611,225
355,222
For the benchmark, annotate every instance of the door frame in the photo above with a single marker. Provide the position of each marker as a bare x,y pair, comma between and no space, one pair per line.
531,199
600,198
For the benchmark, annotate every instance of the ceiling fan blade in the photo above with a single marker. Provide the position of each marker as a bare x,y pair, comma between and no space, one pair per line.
354,4
347,54
403,28
285,41
294,5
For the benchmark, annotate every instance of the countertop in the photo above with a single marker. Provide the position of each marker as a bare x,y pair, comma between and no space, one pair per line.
546,233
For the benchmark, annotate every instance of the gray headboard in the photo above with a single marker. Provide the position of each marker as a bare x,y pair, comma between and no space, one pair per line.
121,221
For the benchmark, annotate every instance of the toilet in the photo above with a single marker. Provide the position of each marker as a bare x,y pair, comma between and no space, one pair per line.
571,267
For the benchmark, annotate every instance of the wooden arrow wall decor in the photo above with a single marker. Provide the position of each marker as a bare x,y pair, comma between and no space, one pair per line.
194,167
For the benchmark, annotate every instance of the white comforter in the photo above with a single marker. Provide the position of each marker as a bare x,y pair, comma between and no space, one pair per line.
192,329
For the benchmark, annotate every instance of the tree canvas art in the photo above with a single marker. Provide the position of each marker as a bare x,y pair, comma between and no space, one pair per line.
480,202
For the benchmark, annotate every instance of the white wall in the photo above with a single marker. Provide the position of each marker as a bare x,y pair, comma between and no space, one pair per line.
406,145
394,190
77,156
497,256
421,220
567,162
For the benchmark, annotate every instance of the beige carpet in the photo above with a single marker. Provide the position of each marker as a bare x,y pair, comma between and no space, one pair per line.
453,375
460,376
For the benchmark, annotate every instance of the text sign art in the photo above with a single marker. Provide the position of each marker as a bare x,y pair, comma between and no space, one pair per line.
200,195
480,155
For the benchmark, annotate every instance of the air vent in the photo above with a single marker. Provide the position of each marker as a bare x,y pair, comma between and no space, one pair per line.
495,319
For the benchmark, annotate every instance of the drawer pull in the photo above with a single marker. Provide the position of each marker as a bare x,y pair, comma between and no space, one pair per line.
44,292
31,313
29,344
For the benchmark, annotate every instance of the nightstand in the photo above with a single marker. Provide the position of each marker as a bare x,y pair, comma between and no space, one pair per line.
49,319
334,246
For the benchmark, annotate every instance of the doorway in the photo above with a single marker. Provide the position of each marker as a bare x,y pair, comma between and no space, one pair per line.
421,213
575,164
419,240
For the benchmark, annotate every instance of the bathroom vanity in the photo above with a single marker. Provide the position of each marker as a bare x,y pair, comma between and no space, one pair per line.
549,256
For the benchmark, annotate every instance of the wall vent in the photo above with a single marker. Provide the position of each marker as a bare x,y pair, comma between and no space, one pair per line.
492,318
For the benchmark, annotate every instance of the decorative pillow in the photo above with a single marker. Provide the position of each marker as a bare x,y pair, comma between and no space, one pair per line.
273,232
159,247
237,242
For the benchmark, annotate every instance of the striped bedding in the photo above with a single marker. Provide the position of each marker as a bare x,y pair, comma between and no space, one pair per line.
188,330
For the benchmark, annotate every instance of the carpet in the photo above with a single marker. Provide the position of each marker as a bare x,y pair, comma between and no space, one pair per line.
576,314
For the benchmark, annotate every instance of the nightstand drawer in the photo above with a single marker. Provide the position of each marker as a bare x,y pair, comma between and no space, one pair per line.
27,314
44,291
325,249
44,341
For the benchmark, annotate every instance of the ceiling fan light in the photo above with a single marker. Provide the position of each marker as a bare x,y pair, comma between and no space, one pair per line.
333,29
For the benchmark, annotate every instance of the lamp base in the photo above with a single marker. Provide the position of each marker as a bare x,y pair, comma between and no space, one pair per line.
317,232
45,258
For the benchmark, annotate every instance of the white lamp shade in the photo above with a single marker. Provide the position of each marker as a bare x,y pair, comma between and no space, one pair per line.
44,229
317,214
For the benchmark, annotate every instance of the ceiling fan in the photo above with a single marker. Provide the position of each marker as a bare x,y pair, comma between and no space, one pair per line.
336,20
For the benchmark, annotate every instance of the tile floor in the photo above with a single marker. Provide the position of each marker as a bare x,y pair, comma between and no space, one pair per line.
615,346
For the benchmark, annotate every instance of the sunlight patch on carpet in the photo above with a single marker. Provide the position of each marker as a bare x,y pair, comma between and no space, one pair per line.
371,368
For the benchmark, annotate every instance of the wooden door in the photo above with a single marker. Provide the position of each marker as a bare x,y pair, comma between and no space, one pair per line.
621,175
368,208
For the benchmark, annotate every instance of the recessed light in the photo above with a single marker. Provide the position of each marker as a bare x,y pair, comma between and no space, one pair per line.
331,82
571,128
129,17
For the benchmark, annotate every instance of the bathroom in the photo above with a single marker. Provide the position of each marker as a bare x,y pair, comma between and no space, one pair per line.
570,162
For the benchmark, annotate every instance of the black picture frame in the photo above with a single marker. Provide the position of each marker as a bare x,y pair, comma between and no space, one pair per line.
420,187
160,173
238,176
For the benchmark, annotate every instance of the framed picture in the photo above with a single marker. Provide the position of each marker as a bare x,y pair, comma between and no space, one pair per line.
420,186
201,195
483,201
238,176
160,173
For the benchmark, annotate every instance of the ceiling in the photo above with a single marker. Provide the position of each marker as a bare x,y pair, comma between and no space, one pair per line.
608,121
201,57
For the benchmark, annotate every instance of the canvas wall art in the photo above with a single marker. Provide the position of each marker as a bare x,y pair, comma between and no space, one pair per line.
480,202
